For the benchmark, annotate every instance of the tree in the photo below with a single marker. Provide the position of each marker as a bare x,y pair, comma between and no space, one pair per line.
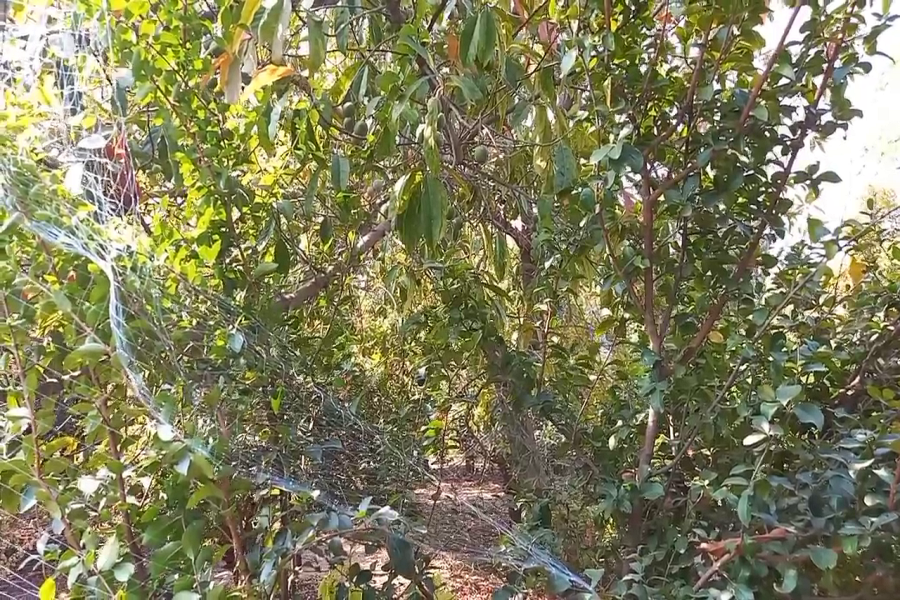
569,208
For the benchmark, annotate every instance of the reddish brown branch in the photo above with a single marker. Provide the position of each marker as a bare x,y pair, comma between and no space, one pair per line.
629,288
648,212
716,566
773,59
313,287
688,101
748,108
892,497
749,255
112,437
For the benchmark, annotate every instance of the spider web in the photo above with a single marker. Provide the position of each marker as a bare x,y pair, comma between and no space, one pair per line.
94,286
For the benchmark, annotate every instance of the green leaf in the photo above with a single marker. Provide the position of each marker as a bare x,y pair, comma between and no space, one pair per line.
469,40
165,432
48,589
564,167
123,571
62,301
810,413
850,544
248,11
567,62
203,465
704,157
652,490
787,70
263,269
596,575
766,393
788,581
632,157
816,228
785,393
600,153
434,208
235,343
500,256
743,508
829,177
205,491
824,558
109,554
317,43
88,353
487,35
403,560
754,438
209,253
340,172
276,400
12,223
760,112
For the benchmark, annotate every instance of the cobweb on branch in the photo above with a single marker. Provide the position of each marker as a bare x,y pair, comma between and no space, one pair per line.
72,187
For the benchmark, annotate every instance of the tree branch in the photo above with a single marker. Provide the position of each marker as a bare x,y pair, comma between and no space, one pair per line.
648,209
764,76
748,108
747,259
313,287
632,294
688,102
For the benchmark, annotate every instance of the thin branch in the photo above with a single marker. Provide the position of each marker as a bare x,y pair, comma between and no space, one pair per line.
764,76
632,294
648,210
751,102
679,275
112,437
688,101
313,287
748,258
716,566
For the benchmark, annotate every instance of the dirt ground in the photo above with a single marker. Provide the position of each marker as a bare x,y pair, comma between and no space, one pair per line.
458,529
21,574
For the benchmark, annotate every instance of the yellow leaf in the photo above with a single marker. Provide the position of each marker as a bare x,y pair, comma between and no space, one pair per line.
266,76
48,589
249,11
857,271
715,337
221,64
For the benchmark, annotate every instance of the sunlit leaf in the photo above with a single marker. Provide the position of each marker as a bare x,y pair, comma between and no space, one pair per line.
109,554
48,589
266,76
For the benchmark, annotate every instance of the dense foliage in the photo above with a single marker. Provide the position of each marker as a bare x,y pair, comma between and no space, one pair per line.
560,237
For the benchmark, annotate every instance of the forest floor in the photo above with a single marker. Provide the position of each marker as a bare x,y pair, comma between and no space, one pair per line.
460,529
